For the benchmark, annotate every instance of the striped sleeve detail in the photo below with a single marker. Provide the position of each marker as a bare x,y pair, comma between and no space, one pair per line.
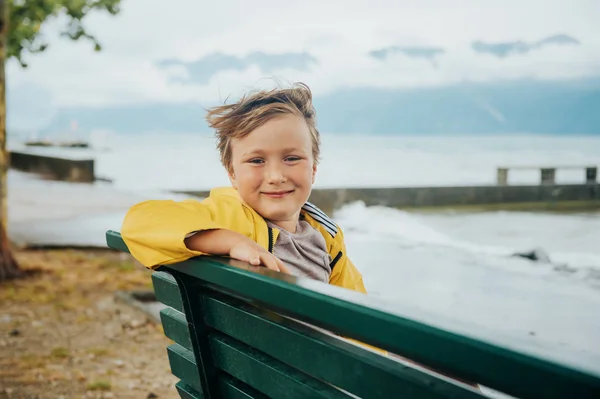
321,217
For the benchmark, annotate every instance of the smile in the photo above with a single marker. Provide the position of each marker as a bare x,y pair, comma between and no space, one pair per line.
277,194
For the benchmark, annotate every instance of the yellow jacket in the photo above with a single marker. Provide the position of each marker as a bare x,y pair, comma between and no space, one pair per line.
155,230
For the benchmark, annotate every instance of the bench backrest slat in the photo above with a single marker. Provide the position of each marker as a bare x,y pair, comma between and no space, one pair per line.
183,366
228,387
166,290
176,328
273,378
187,392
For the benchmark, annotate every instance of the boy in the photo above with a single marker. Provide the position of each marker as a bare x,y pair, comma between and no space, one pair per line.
269,145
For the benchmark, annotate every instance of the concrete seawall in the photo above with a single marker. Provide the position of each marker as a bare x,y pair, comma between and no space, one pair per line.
535,196
427,197
73,170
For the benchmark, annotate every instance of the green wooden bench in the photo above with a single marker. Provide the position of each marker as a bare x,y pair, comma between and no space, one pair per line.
246,332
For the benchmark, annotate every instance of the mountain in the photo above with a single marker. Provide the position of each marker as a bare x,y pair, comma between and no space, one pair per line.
532,106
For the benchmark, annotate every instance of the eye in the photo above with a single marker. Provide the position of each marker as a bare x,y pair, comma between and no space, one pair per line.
256,161
292,158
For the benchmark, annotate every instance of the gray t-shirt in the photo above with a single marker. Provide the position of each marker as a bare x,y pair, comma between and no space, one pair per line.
303,252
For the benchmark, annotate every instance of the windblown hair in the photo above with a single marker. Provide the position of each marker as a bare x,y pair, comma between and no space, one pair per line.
255,109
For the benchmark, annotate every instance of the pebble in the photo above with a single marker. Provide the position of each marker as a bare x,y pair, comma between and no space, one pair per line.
104,304
138,323
152,395
14,333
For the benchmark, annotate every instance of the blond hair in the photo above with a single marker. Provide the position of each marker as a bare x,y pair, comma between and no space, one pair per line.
252,111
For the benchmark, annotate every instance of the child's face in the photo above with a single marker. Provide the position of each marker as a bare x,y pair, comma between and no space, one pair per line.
273,169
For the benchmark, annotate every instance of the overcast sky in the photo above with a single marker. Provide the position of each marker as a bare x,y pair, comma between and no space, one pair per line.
151,50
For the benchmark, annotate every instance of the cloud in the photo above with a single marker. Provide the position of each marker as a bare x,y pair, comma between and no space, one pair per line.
427,53
181,51
505,49
414,52
206,67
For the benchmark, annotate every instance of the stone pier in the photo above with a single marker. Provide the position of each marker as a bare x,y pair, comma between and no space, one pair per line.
72,170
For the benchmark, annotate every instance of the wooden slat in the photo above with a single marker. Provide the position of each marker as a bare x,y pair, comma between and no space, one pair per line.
265,374
325,357
232,389
183,366
114,241
229,388
176,328
187,392
166,290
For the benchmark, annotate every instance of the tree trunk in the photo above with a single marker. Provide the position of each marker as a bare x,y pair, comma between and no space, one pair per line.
8,265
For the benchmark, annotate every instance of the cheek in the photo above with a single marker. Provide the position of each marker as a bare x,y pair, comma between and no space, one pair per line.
249,177
303,175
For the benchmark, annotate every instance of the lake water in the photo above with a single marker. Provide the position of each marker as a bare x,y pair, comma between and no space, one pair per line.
453,269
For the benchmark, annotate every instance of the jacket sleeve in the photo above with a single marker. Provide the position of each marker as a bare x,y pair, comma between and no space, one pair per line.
154,231
344,273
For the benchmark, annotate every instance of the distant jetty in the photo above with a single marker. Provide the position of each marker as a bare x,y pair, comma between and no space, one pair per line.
63,144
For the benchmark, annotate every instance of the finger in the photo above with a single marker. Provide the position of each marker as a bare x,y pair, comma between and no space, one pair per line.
269,262
281,265
254,260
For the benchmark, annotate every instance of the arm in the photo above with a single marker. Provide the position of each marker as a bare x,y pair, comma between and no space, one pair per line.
155,231
214,242
231,243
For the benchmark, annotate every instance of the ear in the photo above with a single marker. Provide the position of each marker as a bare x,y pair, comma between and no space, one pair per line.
314,172
231,176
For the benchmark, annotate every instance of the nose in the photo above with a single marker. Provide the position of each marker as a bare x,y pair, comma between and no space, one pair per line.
274,174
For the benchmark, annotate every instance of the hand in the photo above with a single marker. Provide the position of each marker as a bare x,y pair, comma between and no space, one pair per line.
236,245
248,251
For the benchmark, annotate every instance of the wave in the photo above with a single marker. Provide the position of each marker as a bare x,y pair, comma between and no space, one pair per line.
413,231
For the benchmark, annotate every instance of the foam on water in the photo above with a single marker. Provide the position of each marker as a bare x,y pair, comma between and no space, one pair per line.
575,256
437,276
